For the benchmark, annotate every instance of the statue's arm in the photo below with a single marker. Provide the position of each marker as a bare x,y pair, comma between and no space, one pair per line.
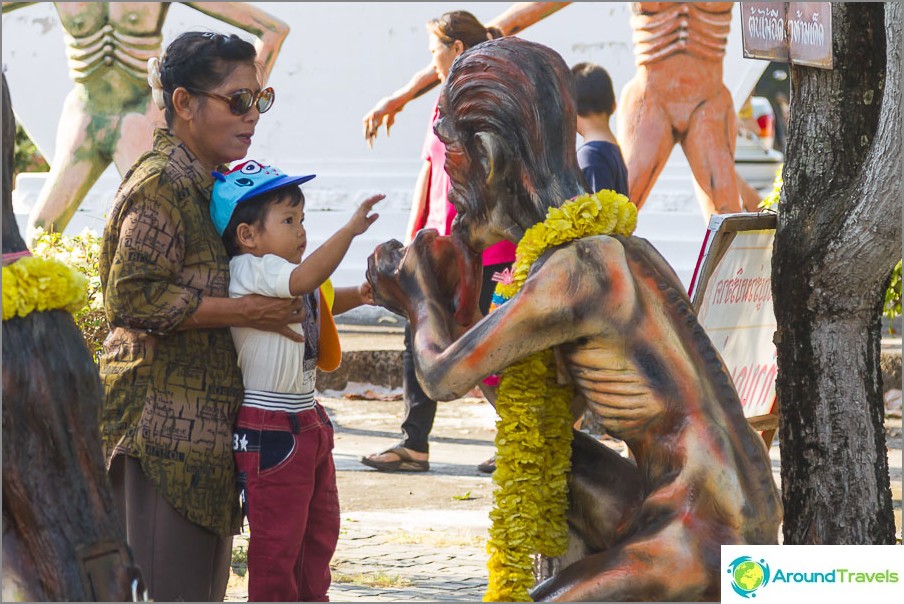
270,31
548,311
11,6
516,18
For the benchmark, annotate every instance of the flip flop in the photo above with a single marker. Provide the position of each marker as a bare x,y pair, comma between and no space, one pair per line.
405,463
487,467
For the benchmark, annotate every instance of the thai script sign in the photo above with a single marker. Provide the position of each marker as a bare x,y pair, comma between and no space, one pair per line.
732,293
792,32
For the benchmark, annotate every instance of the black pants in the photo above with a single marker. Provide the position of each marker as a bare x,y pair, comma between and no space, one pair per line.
420,409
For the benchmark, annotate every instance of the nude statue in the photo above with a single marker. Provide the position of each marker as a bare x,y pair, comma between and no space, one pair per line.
677,97
622,329
108,117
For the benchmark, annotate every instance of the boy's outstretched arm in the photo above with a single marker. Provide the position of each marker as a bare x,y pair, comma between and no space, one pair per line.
348,298
316,268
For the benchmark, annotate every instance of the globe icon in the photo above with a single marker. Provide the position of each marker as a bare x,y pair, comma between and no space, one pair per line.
748,575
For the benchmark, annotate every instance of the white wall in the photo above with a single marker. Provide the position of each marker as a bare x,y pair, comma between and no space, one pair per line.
338,60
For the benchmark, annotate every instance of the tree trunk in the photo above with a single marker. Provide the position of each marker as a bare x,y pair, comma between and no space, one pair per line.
838,238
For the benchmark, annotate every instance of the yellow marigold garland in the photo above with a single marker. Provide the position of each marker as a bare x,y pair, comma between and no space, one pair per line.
533,438
38,284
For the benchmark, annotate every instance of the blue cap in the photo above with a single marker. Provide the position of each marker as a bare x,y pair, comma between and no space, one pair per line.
243,182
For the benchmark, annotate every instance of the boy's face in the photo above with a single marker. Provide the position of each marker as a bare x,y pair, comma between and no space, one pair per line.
282,231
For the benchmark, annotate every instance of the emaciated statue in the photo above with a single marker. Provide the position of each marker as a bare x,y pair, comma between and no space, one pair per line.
108,117
607,320
677,97
62,538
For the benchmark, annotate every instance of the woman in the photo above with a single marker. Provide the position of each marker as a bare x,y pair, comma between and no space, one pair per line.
450,35
108,117
171,380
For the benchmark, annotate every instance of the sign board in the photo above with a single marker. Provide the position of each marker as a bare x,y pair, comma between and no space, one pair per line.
792,32
732,294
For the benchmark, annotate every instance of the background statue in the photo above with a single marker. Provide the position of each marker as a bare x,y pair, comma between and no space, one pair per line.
62,538
616,329
677,97
108,117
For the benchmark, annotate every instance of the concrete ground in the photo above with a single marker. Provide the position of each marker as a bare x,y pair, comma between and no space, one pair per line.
420,537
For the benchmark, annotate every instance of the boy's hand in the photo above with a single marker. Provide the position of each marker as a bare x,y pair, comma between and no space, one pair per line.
366,291
362,219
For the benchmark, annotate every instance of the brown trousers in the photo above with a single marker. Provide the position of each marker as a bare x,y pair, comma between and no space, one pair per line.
179,560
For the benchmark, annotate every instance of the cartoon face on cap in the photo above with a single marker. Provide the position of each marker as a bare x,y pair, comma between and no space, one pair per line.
244,181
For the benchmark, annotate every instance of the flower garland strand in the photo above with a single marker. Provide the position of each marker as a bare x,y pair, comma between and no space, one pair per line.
533,437
38,284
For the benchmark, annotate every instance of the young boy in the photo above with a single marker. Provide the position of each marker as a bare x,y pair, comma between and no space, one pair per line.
283,439
599,157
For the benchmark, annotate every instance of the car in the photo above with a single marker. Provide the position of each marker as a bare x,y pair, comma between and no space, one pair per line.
755,159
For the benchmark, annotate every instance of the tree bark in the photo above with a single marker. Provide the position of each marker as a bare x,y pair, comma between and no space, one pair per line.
837,241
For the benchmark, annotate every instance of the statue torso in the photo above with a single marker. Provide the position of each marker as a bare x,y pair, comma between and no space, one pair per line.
102,37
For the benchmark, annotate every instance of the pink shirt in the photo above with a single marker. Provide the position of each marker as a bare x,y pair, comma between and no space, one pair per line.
439,211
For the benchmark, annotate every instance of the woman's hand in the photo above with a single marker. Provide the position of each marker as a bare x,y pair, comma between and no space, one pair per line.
273,314
383,113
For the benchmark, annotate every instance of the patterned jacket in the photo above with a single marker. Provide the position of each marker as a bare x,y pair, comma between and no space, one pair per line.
170,396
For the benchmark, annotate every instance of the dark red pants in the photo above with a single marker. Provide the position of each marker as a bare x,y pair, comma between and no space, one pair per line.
286,463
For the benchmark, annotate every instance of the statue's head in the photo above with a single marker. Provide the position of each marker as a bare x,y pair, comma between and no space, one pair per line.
507,118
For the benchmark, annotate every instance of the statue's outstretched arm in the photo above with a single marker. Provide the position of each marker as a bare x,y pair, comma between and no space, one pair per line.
270,31
449,362
516,18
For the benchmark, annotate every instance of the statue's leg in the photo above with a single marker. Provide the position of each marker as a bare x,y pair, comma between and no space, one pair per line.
709,147
604,489
668,565
76,166
645,137
136,136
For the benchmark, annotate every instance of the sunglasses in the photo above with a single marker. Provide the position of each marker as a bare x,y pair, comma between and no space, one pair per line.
241,101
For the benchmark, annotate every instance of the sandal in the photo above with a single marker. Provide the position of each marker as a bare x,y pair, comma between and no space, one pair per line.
487,467
404,463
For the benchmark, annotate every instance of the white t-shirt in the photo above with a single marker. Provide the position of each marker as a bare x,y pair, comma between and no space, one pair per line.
269,361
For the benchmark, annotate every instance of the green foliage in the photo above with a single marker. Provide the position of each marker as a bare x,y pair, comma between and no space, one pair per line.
81,252
770,202
27,158
892,307
240,560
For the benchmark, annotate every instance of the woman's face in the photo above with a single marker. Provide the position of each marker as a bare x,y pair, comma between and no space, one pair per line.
443,54
213,132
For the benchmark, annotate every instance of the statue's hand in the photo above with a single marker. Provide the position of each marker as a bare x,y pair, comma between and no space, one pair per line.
384,276
441,269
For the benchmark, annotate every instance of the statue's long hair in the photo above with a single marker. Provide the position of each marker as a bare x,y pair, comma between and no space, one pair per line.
524,93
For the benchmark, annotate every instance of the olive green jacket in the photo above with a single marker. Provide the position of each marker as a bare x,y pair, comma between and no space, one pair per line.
170,396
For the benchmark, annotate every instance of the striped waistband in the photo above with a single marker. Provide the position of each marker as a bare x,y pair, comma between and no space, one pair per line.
278,401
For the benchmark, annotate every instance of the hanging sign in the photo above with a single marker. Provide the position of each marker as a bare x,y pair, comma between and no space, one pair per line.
790,32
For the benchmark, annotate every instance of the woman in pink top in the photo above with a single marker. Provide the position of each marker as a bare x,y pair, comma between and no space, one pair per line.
450,35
